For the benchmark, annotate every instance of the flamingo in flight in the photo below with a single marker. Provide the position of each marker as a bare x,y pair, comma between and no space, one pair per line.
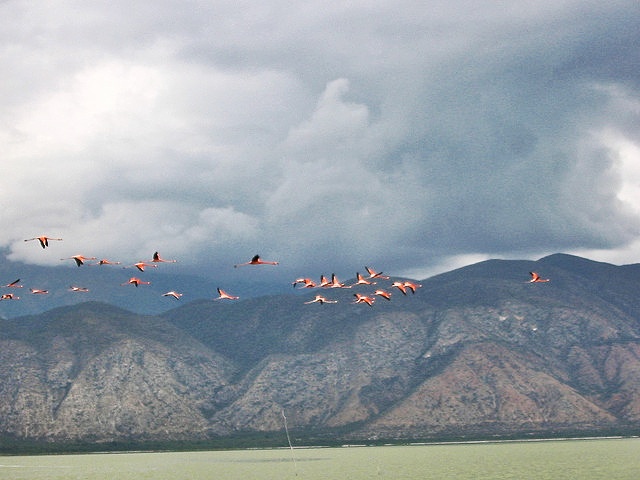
13,284
36,291
535,278
321,300
73,288
307,283
80,259
256,260
364,299
222,295
383,293
135,281
105,261
9,296
360,280
173,294
142,265
44,241
373,274
412,286
157,258
337,284
324,282
400,286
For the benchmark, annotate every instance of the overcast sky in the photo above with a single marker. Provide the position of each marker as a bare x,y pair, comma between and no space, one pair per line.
410,136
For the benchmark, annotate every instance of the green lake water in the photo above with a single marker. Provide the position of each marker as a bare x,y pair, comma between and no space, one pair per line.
608,459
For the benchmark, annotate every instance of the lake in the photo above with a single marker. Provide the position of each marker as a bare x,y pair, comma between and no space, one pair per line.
540,460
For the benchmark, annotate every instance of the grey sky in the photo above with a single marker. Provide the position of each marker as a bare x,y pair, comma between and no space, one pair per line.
411,136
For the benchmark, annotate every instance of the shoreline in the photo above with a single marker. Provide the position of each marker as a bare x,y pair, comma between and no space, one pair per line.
203,448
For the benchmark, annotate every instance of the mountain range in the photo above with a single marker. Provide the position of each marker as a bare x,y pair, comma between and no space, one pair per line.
475,352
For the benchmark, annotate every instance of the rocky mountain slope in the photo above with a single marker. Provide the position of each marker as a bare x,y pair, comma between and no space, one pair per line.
477,351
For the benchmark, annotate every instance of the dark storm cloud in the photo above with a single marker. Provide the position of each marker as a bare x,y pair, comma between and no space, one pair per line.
403,135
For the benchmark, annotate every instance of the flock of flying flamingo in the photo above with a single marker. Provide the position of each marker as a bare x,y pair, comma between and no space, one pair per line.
370,279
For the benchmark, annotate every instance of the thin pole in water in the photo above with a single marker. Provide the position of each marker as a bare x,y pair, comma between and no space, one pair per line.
286,429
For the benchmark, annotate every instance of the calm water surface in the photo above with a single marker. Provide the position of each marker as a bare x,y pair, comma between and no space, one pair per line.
608,459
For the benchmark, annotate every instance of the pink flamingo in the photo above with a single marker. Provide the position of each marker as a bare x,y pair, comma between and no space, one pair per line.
321,300
222,295
38,291
105,261
412,286
307,283
535,278
44,241
400,286
383,293
157,258
13,284
373,274
173,294
142,265
256,260
78,289
360,280
364,299
135,281
80,259
9,296
336,284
